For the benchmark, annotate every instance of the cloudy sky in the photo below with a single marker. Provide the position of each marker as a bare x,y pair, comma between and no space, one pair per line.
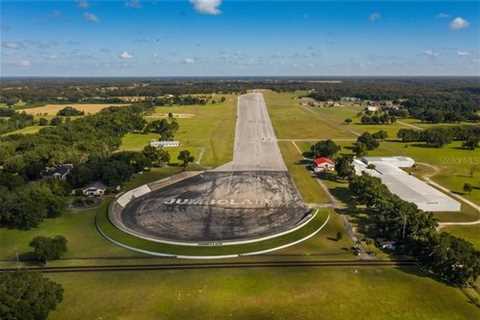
230,38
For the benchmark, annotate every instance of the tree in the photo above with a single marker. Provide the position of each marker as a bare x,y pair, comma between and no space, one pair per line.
471,143
157,156
452,259
368,140
28,296
360,149
185,157
467,187
344,167
437,137
56,121
70,112
45,249
42,122
326,148
380,135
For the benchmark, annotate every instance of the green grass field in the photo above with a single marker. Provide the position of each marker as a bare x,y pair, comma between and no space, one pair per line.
306,184
295,121
469,233
26,130
270,293
208,132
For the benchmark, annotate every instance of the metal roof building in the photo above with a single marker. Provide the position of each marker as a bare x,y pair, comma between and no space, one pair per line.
404,185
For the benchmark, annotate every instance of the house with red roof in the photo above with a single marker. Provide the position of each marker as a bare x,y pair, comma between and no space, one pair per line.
323,164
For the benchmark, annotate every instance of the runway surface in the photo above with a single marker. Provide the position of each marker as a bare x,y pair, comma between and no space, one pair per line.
249,198
256,147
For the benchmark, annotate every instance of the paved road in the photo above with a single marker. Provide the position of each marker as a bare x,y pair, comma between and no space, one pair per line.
256,147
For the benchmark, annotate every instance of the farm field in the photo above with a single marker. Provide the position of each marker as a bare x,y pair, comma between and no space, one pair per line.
208,132
269,293
52,109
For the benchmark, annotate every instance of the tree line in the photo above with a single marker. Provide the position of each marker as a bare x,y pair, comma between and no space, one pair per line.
452,259
440,136
10,120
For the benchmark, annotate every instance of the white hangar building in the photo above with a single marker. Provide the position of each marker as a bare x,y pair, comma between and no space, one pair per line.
404,185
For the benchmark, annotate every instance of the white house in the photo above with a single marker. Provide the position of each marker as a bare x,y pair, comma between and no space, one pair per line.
96,189
164,144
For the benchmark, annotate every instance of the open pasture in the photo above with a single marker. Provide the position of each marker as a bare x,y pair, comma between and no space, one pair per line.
52,109
208,131
266,293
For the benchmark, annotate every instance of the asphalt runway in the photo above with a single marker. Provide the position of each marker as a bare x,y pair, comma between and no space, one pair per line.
251,197
256,147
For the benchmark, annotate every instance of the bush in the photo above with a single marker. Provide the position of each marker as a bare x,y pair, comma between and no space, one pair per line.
45,248
70,112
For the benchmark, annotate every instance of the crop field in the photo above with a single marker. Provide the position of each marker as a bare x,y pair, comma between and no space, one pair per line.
267,293
208,132
52,109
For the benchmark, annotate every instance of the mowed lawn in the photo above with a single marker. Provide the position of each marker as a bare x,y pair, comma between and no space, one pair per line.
305,182
266,293
295,121
208,132
292,121
52,109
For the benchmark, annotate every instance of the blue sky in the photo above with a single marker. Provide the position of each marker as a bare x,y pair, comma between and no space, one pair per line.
235,38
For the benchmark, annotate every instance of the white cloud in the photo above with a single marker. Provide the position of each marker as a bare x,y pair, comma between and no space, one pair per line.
463,53
90,17
374,16
23,63
442,15
431,53
125,55
83,4
10,45
189,60
133,4
459,23
207,6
